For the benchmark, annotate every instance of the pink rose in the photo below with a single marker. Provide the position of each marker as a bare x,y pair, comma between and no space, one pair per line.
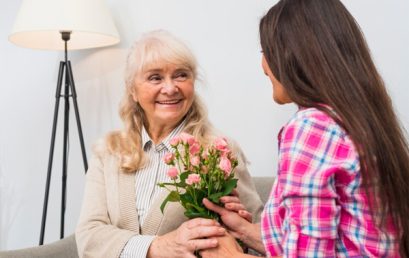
194,148
172,173
187,138
174,141
193,179
225,165
168,158
195,161
221,144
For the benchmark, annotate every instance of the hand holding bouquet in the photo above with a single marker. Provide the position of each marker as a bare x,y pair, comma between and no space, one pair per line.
198,172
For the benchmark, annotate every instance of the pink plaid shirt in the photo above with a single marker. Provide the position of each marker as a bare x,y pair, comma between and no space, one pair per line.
318,206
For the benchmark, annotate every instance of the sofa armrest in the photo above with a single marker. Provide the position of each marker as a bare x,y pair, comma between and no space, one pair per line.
64,248
263,186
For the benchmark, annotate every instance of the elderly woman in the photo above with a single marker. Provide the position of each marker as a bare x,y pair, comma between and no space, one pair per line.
120,216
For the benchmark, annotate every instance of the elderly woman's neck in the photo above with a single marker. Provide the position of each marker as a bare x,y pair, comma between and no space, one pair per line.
158,133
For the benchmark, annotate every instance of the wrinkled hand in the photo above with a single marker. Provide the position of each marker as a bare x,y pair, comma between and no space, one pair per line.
231,219
227,248
188,238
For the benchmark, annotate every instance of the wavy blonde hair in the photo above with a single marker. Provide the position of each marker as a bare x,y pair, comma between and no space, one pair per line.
153,48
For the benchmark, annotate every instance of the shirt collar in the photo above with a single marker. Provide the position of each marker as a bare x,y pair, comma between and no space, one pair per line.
147,141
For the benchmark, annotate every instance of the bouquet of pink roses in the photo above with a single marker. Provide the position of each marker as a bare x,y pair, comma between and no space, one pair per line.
198,173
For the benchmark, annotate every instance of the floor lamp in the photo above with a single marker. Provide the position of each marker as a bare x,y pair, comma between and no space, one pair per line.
63,25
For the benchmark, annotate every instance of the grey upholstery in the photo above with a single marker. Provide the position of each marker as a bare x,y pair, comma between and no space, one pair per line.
66,248
263,186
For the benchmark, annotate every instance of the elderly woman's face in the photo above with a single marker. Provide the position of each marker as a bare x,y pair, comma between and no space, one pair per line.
165,92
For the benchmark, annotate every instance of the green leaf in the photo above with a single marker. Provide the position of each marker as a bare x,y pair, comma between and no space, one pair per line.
186,198
178,184
200,194
164,184
181,184
183,176
215,197
192,214
196,207
229,186
172,197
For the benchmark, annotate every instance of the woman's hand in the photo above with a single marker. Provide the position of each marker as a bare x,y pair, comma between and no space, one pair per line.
230,217
188,238
238,225
232,203
227,248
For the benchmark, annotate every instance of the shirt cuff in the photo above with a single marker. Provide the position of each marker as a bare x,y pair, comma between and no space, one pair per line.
137,247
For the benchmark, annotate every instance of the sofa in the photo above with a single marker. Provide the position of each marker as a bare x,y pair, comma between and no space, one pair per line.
66,248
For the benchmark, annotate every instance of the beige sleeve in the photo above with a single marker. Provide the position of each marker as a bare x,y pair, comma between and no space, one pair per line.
95,234
245,186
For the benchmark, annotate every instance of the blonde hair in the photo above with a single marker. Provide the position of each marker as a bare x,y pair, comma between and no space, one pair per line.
153,48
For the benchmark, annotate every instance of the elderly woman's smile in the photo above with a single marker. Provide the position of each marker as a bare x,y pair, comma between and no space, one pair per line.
170,102
165,92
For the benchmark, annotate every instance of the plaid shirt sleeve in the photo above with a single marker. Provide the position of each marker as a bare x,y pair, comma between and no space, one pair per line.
311,154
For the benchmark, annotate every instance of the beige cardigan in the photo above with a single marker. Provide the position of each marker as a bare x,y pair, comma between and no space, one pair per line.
109,218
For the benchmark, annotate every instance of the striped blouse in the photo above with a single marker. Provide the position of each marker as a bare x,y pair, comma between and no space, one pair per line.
147,189
318,206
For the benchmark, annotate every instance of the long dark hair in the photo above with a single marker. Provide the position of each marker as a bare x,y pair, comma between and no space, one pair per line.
317,51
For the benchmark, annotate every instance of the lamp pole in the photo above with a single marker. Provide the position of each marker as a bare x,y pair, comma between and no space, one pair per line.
64,69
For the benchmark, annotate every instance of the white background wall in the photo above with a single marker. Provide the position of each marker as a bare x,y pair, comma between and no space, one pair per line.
223,35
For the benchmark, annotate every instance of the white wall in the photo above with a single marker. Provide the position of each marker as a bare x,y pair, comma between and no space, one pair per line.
224,36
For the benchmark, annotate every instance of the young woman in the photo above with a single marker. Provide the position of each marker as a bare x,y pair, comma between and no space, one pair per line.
343,176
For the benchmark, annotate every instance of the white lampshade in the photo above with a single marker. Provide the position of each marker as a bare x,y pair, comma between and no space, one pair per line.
39,22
